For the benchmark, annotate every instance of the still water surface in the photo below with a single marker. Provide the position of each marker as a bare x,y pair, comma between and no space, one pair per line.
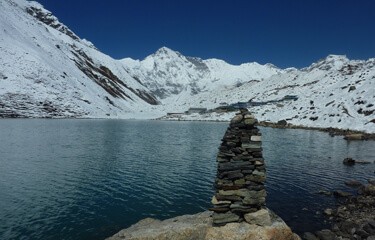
87,179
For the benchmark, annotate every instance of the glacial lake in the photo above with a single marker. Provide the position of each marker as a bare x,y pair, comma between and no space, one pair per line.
87,179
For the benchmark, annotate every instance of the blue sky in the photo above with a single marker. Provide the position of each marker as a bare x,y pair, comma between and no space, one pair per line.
285,33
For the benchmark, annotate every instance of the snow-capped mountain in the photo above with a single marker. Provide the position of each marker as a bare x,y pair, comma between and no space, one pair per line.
167,72
334,92
48,71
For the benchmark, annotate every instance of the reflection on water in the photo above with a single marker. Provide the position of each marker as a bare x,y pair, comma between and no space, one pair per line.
87,179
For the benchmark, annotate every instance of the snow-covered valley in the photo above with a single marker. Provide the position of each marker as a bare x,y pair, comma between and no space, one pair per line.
48,71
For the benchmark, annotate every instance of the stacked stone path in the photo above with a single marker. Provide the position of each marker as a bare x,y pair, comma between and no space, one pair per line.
240,192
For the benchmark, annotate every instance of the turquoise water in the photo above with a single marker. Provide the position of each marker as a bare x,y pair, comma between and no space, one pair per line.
87,179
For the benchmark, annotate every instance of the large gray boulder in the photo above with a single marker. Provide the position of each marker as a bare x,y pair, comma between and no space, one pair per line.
199,227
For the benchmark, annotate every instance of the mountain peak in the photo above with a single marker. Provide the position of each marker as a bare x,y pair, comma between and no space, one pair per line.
336,57
330,62
164,50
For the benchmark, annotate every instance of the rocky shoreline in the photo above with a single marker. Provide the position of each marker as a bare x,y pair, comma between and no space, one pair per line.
354,216
347,133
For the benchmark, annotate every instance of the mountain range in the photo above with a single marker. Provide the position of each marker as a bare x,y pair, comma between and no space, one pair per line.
49,71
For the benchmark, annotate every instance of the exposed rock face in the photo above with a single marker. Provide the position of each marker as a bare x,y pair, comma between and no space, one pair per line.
199,227
241,173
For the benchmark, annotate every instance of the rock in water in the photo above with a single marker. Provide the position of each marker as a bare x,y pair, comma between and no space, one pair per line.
326,234
328,212
356,136
371,181
309,236
199,227
353,183
369,189
340,193
349,161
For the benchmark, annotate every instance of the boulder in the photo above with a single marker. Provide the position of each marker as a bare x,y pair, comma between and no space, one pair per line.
282,123
237,119
353,183
326,234
369,189
250,121
199,227
328,211
354,136
261,218
349,161
247,116
351,88
309,236
371,181
340,193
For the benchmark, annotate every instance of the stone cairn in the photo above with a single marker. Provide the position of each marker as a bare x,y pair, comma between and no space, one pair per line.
240,191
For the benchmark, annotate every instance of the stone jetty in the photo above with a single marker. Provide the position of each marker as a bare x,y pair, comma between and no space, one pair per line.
240,192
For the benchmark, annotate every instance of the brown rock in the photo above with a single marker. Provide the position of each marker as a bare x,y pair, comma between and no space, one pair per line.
356,136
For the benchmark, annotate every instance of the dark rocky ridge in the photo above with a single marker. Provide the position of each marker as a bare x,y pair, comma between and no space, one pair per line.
331,131
47,18
105,78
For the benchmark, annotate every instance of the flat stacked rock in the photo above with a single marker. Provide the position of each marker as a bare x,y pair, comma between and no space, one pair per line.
240,191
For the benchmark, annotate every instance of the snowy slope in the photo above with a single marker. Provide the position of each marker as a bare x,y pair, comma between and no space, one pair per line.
48,71
167,72
334,92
